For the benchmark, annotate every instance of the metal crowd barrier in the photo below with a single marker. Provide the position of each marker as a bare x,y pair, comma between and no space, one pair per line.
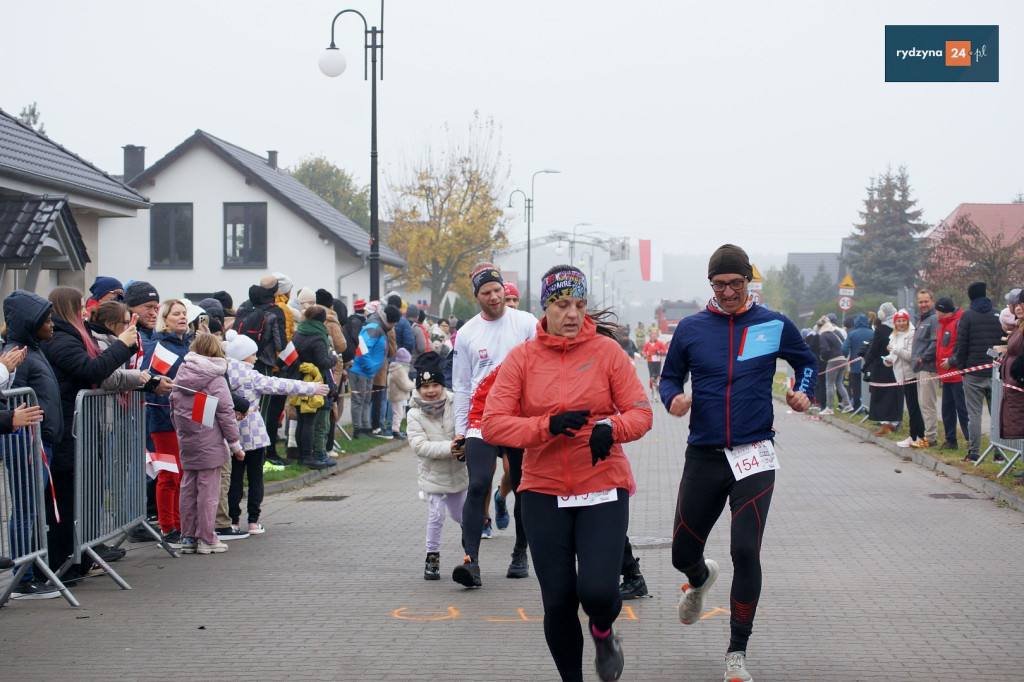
1010,449
23,501
110,474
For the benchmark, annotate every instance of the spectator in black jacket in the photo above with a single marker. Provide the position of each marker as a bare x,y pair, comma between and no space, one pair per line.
28,323
979,331
77,364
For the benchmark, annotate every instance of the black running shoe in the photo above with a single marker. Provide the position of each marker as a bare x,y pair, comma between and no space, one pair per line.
609,659
520,567
468,574
633,587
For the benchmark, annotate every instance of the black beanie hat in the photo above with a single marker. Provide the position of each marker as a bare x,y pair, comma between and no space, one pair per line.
428,369
945,305
392,314
729,258
140,292
976,290
324,298
226,301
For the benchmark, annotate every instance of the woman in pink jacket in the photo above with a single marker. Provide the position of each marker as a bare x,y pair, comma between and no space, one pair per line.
569,397
202,446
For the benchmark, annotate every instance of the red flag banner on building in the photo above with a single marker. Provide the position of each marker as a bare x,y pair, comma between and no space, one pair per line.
163,359
651,261
204,409
289,355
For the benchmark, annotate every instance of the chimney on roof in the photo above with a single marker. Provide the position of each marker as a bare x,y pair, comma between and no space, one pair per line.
272,159
134,162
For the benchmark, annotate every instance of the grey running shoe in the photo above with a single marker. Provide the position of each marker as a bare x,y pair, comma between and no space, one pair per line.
736,667
609,661
691,604
519,568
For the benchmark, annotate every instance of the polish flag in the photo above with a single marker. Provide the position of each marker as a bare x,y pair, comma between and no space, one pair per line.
160,461
204,409
362,348
163,359
289,354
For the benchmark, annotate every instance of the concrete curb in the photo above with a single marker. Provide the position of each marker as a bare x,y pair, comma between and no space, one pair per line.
984,486
344,464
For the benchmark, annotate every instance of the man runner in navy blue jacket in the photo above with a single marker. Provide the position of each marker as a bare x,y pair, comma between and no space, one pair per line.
729,350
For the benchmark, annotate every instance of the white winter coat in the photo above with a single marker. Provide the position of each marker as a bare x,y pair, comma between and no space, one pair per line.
399,383
902,344
431,440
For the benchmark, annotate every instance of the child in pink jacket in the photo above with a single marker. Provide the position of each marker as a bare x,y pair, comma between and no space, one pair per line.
203,449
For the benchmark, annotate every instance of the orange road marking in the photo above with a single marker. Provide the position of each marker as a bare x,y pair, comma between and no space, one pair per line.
522,617
629,615
715,611
451,613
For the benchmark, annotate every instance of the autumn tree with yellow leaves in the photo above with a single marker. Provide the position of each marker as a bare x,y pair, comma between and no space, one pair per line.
446,212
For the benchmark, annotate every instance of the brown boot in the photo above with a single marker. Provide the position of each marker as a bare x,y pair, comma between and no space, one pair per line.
885,428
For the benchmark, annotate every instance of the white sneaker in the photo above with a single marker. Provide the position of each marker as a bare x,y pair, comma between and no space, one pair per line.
204,548
826,411
906,442
736,667
848,409
691,604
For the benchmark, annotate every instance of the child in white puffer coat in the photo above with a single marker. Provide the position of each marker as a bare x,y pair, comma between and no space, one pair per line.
443,477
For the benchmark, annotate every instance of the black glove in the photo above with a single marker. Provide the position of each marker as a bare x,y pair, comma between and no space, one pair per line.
573,419
1017,369
600,443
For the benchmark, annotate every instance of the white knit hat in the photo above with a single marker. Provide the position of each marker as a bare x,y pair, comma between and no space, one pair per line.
238,347
305,296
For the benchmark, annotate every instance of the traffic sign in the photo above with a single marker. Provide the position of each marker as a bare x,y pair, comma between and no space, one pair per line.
757,275
756,295
846,292
845,303
847,282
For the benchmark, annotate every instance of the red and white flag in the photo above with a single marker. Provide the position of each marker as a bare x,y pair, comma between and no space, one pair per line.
289,354
362,348
204,409
160,461
163,359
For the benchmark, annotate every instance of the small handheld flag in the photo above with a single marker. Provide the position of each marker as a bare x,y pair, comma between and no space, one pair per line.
204,409
160,461
289,355
163,359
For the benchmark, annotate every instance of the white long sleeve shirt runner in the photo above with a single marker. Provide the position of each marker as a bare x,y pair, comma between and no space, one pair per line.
480,347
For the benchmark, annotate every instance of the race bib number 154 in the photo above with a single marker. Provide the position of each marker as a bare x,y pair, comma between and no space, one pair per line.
752,458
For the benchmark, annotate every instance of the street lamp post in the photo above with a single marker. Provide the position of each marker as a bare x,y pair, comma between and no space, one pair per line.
572,244
528,201
332,63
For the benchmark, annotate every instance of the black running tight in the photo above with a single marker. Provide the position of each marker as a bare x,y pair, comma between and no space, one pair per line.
706,485
562,538
480,461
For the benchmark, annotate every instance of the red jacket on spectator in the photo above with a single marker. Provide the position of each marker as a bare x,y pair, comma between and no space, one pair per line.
946,344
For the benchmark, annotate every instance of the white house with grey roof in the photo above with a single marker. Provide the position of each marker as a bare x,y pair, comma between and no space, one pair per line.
222,217
51,204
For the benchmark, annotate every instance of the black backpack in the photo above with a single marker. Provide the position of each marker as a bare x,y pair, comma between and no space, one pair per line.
351,329
253,323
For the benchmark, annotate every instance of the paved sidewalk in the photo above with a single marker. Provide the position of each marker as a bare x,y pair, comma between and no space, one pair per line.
875,569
